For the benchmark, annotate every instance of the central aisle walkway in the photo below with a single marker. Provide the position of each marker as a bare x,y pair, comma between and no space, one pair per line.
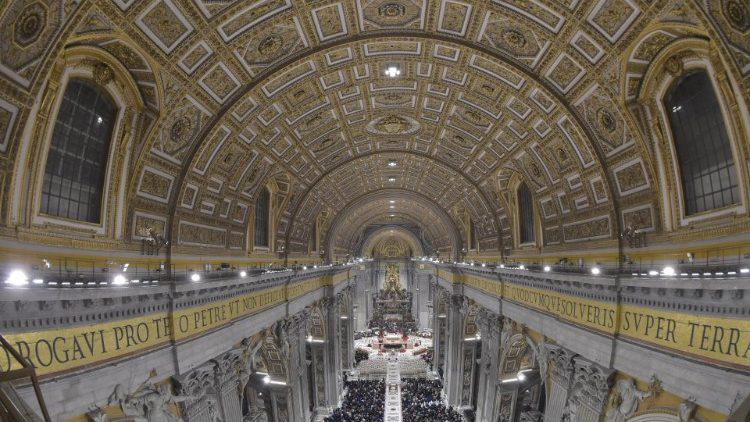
393,390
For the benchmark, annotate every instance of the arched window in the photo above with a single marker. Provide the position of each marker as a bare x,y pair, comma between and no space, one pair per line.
77,160
704,154
261,218
525,214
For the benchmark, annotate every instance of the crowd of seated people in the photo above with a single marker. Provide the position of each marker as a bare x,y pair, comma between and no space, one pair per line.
421,402
364,402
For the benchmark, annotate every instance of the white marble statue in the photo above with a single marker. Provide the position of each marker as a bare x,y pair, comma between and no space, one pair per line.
148,403
625,400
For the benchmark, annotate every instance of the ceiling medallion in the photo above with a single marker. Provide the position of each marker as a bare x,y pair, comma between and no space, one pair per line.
29,25
514,38
393,125
606,120
737,14
392,10
271,45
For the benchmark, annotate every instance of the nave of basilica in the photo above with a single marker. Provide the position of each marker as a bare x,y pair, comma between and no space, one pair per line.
374,210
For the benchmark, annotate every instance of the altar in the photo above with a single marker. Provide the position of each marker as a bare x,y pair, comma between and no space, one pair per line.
392,305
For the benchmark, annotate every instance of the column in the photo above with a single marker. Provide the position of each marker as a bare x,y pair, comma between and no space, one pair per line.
331,353
279,404
561,375
298,379
437,328
490,325
227,383
420,299
587,397
202,404
346,326
454,346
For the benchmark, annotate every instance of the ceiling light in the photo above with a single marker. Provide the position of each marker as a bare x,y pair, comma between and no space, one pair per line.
391,215
547,268
243,274
391,179
744,270
668,271
596,271
653,273
195,277
392,201
392,207
304,267
17,278
521,376
392,163
521,267
37,281
392,71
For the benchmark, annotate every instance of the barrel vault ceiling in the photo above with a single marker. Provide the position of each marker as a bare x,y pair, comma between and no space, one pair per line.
293,95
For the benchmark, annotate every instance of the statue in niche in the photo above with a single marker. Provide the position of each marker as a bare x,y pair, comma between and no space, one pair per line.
625,400
148,403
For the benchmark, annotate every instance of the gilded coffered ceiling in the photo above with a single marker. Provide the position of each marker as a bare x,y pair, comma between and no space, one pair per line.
294,95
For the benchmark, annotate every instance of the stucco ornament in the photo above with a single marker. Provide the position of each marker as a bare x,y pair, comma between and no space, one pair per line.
625,400
687,408
570,412
148,403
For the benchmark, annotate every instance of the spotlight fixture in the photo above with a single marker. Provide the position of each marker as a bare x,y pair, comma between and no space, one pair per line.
195,277
547,268
243,274
596,271
119,280
392,71
17,278
521,267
